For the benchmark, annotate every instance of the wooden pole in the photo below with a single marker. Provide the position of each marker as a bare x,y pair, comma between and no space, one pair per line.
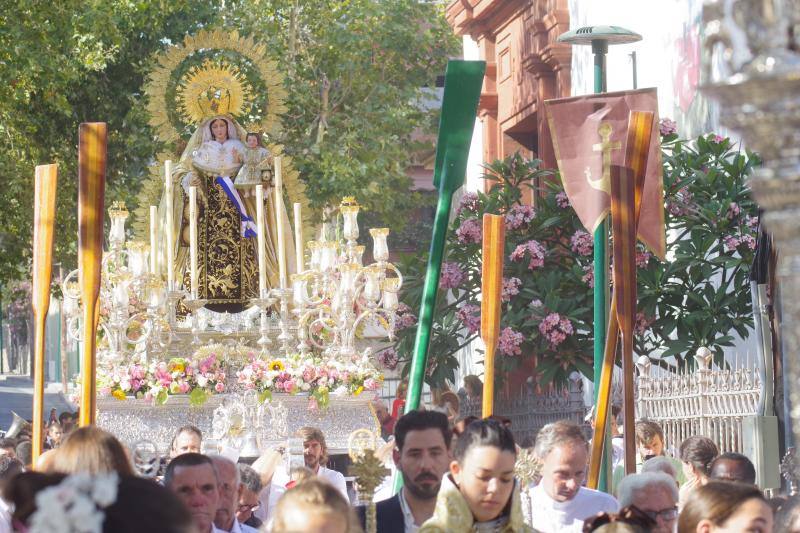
44,214
91,203
494,238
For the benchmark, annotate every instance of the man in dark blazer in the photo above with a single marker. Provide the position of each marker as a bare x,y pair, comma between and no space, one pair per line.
422,456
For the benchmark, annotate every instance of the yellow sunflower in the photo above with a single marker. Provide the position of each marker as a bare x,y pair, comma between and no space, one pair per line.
118,394
277,366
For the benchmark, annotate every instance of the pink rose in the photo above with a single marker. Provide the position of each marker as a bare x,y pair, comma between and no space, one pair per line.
219,387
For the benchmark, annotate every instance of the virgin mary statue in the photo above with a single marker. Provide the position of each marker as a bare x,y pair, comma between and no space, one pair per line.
227,232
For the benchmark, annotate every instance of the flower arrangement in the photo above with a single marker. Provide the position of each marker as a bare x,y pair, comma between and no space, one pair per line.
75,504
696,298
316,376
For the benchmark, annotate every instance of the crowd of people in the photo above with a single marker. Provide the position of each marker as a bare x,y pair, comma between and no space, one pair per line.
457,476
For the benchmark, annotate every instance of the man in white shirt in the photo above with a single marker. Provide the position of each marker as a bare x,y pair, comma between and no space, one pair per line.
315,456
193,479
560,503
230,488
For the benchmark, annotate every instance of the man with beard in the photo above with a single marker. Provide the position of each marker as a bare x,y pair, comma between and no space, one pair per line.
560,502
315,456
422,456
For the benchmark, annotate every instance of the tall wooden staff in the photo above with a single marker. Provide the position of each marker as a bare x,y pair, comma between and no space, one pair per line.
44,213
91,196
494,239
626,201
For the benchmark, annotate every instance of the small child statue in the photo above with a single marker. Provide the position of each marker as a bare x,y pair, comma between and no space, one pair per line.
256,166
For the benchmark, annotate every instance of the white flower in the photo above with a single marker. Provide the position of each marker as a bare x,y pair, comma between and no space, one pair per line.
202,381
341,390
104,492
125,385
305,386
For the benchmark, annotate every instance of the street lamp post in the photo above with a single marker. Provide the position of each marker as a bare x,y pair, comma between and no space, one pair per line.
599,38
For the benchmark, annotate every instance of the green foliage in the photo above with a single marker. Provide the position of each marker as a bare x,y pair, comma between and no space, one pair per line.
696,298
68,62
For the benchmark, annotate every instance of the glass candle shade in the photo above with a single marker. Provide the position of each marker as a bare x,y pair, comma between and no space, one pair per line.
328,252
391,286
350,222
372,284
137,258
118,214
380,248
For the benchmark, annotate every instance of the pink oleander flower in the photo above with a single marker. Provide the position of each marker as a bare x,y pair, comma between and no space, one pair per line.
510,288
534,249
643,258
519,216
535,304
717,139
469,202
555,329
582,243
751,222
562,200
388,358
642,323
748,240
667,127
452,276
470,231
510,341
731,243
588,275
470,316
733,211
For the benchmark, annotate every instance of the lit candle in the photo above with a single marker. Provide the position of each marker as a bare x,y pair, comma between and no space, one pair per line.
298,237
279,222
193,239
262,259
169,240
153,239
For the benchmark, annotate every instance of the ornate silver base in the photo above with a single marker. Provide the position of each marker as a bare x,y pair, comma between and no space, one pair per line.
134,420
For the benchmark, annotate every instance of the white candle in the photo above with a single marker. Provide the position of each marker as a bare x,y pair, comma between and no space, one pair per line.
298,237
169,234
262,258
153,239
193,239
279,222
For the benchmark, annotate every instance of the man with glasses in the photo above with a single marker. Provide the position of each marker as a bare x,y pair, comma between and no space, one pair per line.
230,489
248,497
653,493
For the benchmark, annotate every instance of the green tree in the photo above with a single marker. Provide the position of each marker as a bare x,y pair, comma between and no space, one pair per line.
354,71
69,62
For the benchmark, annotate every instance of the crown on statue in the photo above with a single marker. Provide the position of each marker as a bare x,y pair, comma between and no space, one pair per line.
212,89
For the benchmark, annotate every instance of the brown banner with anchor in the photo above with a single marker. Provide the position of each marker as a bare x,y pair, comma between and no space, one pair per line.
588,137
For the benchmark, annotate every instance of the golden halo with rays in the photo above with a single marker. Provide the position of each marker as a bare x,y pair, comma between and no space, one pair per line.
212,89
169,62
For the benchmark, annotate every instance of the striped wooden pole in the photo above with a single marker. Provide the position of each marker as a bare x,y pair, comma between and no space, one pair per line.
44,214
494,239
92,138
626,201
